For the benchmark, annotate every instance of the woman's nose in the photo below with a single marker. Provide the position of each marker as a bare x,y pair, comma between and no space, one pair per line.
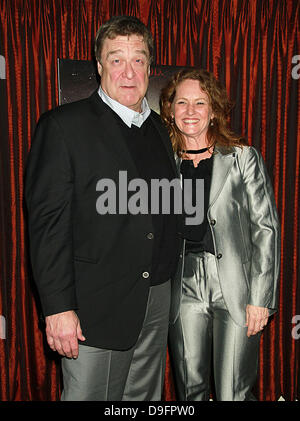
190,108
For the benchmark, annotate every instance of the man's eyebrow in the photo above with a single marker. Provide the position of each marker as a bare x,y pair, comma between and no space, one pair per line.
112,52
144,52
120,51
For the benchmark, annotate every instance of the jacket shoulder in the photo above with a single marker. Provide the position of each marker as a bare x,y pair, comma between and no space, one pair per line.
249,157
73,111
156,117
246,152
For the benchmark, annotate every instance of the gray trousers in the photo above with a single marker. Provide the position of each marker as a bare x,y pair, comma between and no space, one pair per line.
136,374
204,333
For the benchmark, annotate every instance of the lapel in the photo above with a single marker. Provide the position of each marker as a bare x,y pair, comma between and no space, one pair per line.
166,141
222,164
177,163
223,161
112,136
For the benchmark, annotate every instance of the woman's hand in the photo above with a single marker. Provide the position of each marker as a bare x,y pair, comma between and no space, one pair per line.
256,319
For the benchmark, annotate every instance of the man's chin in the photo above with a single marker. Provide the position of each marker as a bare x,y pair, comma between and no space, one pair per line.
132,103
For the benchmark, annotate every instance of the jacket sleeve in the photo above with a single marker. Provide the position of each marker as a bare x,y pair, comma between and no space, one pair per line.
265,232
48,194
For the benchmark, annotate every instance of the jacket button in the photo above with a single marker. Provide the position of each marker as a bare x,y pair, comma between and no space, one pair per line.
145,275
213,222
219,256
150,235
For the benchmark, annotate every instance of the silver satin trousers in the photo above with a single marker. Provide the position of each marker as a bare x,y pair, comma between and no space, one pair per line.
205,340
133,375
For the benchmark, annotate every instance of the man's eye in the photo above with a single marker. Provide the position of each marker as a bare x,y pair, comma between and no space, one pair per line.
116,61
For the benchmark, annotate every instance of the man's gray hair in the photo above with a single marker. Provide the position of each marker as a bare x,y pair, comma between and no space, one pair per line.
123,26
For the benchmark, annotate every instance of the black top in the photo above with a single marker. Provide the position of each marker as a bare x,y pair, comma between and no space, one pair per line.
152,162
199,237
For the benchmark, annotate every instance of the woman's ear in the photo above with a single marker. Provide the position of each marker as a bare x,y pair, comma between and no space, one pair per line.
171,110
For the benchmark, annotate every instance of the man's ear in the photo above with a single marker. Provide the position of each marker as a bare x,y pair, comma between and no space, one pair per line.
99,67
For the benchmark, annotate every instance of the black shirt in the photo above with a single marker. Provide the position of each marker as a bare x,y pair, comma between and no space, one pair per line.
199,236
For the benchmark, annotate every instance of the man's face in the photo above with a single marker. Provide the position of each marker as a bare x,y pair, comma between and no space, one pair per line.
125,69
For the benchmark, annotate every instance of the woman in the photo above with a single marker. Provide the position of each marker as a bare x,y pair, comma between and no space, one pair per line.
225,288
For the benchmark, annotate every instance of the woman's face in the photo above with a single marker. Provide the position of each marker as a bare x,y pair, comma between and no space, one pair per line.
191,109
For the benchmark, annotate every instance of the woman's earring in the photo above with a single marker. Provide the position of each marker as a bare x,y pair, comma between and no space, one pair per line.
211,123
172,119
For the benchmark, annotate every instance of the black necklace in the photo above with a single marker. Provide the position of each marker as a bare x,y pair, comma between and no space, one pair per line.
195,151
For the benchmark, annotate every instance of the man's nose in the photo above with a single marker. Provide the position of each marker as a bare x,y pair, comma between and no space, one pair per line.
128,70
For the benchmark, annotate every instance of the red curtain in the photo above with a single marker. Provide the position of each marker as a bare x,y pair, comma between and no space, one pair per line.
251,46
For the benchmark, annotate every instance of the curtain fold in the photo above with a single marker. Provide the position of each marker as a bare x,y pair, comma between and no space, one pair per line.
251,46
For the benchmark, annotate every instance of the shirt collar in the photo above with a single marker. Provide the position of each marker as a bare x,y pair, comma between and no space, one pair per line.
126,114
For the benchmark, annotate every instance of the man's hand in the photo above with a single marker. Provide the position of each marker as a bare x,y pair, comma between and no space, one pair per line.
256,319
63,331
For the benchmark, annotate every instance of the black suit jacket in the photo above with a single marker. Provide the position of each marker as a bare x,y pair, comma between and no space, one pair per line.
81,260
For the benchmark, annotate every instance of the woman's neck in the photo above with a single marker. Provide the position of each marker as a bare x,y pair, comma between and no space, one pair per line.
195,145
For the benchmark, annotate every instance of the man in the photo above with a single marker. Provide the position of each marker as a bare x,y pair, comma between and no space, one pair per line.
104,279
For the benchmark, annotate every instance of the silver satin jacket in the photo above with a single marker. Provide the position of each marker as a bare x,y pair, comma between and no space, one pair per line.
245,228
